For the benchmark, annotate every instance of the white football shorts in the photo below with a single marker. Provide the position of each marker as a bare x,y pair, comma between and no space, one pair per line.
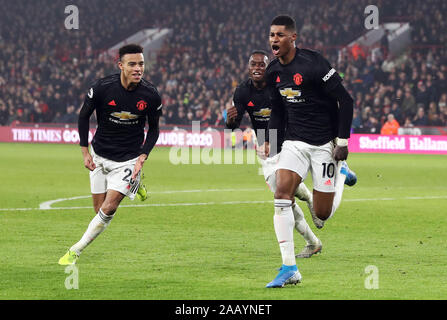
112,175
301,157
269,167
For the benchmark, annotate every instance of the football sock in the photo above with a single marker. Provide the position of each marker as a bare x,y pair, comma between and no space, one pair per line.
302,227
339,187
98,224
302,192
284,222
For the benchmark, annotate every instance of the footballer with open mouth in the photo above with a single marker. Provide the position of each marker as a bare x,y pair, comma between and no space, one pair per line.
282,42
256,68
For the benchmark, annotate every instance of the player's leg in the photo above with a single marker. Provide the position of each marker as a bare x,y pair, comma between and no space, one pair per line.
343,176
142,193
313,244
292,167
98,186
340,180
109,184
98,200
100,222
324,169
323,203
269,169
303,193
283,220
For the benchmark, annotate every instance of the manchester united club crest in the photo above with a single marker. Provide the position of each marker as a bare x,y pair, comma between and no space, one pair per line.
141,105
298,79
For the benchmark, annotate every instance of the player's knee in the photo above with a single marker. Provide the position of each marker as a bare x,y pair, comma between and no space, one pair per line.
283,195
323,213
96,208
108,208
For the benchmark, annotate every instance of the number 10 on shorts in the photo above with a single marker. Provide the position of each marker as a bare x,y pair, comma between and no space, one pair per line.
328,170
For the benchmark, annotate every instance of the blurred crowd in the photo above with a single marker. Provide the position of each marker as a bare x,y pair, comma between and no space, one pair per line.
45,69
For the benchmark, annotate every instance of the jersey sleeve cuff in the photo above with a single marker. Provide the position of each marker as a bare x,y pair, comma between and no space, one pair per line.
342,142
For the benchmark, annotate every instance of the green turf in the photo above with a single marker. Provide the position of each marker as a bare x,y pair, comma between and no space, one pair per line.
392,219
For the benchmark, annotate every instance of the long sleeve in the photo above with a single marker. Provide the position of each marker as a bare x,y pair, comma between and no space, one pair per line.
345,110
237,102
153,132
84,117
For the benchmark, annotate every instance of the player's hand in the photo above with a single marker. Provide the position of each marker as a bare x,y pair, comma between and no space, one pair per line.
88,160
231,113
138,165
263,151
341,153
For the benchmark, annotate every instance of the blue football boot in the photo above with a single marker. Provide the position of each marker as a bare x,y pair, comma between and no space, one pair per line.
351,178
286,275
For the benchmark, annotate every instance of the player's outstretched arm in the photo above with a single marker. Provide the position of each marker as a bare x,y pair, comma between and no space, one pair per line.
346,105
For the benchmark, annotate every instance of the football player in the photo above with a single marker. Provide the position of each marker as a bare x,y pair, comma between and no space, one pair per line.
123,102
309,100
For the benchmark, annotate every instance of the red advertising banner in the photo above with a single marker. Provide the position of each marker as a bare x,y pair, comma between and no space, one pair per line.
167,138
40,135
363,143
398,144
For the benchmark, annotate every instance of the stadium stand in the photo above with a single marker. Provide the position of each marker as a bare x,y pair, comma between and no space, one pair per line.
46,69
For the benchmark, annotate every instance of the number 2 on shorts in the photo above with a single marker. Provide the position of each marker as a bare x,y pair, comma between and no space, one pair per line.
129,173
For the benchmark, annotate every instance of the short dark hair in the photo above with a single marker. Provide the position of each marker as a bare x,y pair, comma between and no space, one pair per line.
284,20
130,48
259,52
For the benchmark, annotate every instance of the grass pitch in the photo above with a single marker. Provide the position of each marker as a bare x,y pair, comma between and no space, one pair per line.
206,232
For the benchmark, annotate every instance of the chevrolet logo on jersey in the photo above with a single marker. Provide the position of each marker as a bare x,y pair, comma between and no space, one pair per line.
290,94
264,112
124,115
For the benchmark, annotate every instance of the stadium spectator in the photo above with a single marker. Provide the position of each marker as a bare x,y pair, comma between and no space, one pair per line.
70,115
408,104
372,125
422,96
395,110
357,122
420,119
391,126
434,119
4,114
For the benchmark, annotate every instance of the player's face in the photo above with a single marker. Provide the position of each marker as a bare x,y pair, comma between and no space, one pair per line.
132,66
256,67
281,40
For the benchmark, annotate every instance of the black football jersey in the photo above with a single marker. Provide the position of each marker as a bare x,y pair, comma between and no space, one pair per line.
256,102
301,89
121,115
